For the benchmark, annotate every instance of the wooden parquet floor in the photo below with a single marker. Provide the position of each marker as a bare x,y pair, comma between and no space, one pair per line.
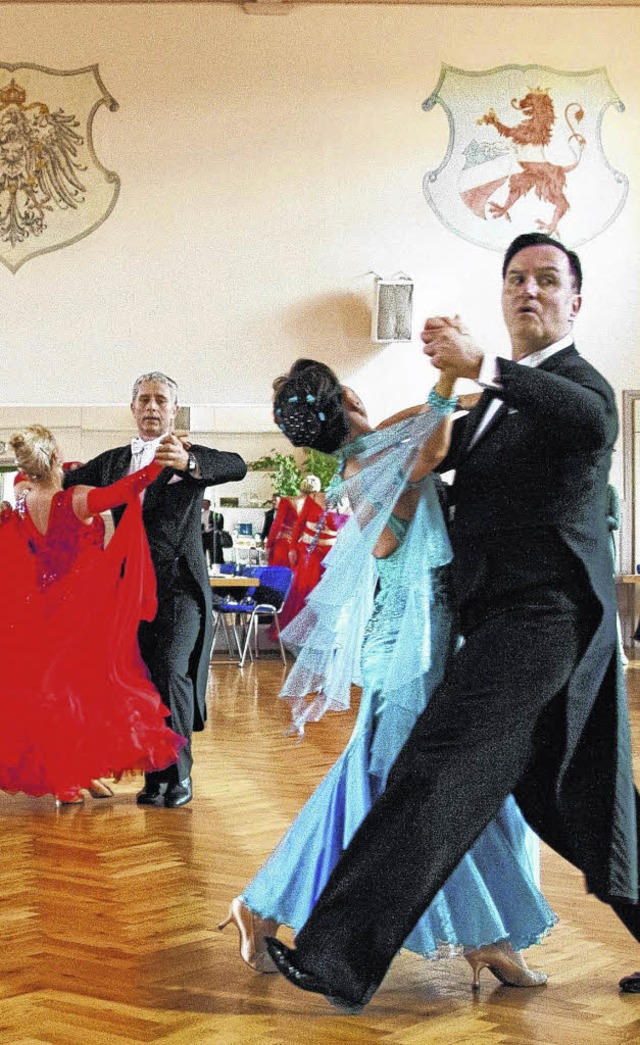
108,915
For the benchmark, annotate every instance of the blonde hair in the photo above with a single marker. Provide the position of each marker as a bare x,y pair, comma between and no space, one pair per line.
310,484
35,449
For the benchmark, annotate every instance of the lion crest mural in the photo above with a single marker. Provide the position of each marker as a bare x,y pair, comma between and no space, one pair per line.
523,158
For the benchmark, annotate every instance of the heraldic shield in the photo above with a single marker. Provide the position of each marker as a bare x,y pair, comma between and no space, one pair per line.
53,189
525,153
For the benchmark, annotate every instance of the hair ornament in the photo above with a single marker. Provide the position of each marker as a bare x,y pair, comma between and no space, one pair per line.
309,406
300,422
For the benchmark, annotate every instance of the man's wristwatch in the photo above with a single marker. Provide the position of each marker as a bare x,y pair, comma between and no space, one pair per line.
192,464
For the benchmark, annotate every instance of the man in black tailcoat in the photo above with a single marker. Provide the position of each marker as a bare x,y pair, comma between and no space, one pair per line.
176,644
207,530
269,516
532,703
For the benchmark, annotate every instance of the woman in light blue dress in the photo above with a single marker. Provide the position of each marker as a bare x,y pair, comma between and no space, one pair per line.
381,618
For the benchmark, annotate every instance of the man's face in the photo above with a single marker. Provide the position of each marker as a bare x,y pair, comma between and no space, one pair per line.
539,299
153,409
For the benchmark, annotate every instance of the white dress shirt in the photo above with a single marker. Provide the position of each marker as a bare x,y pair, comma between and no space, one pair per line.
489,377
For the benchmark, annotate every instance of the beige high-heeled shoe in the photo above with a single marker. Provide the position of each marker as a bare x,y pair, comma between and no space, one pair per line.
99,789
252,929
507,965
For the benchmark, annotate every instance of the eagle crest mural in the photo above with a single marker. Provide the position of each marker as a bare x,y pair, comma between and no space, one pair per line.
524,154
53,189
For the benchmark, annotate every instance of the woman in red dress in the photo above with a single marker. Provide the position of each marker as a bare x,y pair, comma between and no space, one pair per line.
279,538
313,535
75,699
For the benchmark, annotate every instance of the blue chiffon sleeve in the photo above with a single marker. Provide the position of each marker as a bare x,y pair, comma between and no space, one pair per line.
327,634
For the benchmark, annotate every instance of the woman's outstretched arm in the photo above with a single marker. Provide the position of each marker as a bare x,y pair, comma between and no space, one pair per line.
435,448
91,500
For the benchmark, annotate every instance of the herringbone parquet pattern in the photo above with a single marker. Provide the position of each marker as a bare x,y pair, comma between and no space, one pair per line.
108,914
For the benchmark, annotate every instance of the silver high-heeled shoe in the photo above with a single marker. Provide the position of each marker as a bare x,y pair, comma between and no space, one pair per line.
252,929
507,965
73,797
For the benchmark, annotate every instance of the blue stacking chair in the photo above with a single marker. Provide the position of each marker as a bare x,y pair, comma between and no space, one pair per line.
278,579
232,614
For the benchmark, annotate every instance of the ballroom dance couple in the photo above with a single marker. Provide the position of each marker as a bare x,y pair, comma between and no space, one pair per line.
117,679
414,838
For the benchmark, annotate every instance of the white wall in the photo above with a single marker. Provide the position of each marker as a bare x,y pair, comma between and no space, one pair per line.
267,164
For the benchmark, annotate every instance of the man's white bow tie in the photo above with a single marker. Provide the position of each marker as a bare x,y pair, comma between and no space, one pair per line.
138,445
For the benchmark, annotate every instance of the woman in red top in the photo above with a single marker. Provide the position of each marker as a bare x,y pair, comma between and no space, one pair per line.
76,702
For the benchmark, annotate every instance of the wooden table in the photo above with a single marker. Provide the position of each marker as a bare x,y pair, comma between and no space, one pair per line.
627,588
229,580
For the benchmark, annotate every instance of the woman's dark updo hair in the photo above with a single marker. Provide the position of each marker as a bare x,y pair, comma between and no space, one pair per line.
308,406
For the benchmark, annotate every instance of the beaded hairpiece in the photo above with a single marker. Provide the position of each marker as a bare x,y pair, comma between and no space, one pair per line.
299,419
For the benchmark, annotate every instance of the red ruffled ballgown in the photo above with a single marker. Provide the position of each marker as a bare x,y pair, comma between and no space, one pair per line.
279,540
76,702
313,535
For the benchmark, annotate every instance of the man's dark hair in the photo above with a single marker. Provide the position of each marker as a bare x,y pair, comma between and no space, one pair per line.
309,408
539,239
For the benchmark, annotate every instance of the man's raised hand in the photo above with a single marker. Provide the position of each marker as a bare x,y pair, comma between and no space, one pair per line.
449,345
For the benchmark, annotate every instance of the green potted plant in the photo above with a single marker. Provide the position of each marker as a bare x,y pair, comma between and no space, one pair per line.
285,474
322,465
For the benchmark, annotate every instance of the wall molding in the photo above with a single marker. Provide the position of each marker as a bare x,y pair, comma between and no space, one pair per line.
227,418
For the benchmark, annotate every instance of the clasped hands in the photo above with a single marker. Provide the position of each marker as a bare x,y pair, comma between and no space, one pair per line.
173,451
450,346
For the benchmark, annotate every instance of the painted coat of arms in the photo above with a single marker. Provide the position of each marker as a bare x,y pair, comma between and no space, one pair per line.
525,154
53,189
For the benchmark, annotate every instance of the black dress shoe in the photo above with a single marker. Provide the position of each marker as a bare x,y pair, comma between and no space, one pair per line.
283,958
178,794
152,794
630,984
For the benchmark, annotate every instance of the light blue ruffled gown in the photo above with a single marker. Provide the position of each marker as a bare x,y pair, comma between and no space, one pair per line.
493,893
